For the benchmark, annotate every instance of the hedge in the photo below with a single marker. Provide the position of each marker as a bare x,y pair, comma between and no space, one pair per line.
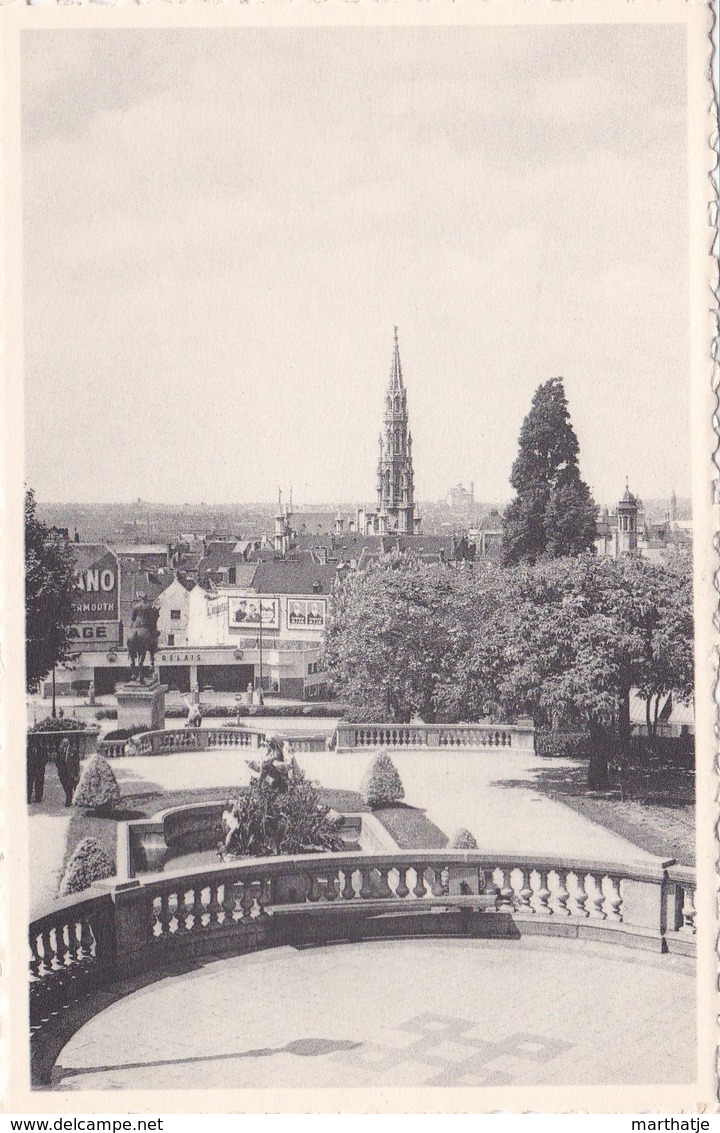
58,724
228,712
563,745
381,785
125,733
89,862
106,714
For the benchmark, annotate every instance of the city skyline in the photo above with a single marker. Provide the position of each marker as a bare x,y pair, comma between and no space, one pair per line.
247,343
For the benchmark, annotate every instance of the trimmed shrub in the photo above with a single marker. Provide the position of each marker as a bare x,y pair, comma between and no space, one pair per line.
124,733
106,714
89,862
382,785
98,789
563,745
462,839
58,724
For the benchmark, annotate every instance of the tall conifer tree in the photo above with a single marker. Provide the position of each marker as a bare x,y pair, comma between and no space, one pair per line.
553,513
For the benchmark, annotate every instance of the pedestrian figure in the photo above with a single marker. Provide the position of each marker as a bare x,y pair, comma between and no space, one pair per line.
68,768
36,758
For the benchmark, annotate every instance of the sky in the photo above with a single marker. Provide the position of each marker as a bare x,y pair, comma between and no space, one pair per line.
222,227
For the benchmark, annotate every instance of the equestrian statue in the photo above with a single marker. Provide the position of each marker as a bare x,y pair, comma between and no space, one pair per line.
143,637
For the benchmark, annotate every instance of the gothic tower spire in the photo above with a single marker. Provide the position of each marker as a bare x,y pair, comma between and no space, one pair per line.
395,481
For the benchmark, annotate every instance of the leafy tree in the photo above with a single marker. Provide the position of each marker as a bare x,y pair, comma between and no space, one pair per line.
553,513
383,645
584,632
49,586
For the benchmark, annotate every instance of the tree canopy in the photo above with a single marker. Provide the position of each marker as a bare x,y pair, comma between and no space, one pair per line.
564,641
553,514
49,586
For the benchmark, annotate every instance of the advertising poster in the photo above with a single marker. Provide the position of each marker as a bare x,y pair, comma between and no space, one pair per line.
304,613
244,613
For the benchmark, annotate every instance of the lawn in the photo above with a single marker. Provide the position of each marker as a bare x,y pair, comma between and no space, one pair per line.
655,809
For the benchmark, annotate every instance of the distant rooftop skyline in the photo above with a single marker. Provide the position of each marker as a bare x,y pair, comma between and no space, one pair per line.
213,268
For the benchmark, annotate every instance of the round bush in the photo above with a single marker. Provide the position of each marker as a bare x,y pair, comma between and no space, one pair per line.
89,862
382,785
462,839
98,788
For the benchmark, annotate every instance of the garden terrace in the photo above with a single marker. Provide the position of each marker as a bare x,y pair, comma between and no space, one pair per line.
136,928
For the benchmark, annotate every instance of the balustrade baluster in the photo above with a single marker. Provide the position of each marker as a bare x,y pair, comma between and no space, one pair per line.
227,904
214,906
526,892
419,887
562,895
35,958
542,895
261,893
401,889
597,899
198,909
48,952
366,889
315,890
87,940
382,886
614,899
331,885
506,893
437,887
688,911
248,899
490,888
581,896
183,912
347,891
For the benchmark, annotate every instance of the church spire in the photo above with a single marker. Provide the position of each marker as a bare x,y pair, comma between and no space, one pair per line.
395,486
396,379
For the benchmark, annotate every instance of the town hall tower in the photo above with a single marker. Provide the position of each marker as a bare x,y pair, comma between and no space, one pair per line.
396,510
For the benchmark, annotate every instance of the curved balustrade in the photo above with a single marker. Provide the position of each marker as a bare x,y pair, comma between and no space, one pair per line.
140,925
174,740
414,736
71,954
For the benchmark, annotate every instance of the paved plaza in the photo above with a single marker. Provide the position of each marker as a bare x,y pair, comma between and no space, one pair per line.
423,1012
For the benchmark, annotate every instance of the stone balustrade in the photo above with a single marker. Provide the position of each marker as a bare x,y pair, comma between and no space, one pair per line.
174,740
349,737
71,954
128,928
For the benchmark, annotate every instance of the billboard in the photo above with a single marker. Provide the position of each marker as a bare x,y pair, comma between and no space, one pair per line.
244,613
305,613
108,633
96,592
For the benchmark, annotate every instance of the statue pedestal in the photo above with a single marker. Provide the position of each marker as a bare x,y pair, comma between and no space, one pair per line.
142,706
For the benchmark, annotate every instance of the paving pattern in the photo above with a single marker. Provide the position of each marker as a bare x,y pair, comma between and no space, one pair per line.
398,1013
